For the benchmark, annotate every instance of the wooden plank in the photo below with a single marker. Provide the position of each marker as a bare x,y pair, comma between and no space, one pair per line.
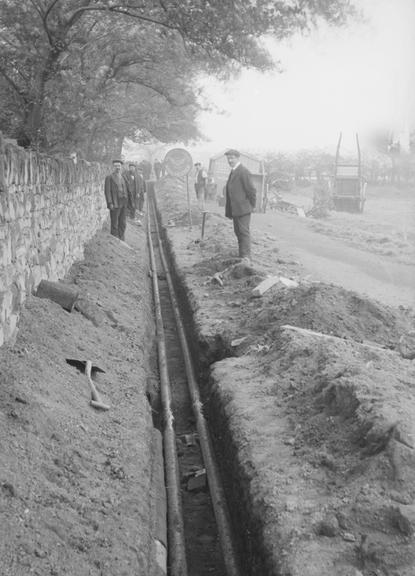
288,283
307,332
265,285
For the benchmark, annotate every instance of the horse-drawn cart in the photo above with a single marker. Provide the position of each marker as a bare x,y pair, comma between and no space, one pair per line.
348,185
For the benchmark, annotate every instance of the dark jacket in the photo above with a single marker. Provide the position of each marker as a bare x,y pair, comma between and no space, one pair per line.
141,184
240,193
113,194
134,186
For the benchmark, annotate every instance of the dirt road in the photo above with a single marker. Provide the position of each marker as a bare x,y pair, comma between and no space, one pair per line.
332,260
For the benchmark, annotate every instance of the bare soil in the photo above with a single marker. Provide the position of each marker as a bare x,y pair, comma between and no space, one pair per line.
385,227
317,434
76,483
314,425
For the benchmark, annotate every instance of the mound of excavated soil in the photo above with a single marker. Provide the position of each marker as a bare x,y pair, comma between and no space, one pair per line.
75,483
321,434
331,310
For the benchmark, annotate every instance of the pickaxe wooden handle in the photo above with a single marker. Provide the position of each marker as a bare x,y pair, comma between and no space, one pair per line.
95,401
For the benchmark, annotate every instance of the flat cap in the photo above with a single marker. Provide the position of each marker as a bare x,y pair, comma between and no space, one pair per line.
232,152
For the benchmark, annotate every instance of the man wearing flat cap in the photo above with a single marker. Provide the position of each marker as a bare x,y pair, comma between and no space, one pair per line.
142,189
240,201
116,195
134,183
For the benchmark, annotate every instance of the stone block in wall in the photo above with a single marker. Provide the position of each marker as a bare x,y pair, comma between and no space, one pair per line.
52,270
5,252
12,210
20,253
18,294
27,239
11,326
3,307
28,204
6,302
44,256
5,211
38,202
6,277
33,278
19,208
44,222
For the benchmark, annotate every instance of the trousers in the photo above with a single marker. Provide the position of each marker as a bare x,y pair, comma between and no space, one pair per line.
242,233
141,202
118,217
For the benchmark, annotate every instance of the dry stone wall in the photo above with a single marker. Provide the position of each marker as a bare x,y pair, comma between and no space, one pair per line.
49,208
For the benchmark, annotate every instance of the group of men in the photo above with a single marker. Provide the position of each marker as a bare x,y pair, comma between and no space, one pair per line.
124,194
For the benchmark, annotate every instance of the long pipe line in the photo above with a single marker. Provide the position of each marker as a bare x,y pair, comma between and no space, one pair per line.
215,485
175,527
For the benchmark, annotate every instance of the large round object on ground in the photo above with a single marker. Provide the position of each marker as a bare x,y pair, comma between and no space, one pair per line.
178,162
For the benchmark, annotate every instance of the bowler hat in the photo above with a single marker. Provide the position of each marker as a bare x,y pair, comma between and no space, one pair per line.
117,160
232,152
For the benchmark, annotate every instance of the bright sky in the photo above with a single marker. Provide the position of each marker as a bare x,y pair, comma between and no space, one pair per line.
359,78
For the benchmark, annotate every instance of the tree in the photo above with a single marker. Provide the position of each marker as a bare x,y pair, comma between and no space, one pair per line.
81,72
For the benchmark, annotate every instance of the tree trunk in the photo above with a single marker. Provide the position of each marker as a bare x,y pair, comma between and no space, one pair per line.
34,129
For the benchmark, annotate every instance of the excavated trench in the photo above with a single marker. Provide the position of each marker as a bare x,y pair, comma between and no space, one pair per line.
315,458
204,555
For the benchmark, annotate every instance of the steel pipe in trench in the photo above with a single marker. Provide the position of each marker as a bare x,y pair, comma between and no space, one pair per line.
175,528
215,485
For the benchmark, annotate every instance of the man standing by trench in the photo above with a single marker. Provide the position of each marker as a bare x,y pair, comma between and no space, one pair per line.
133,189
142,190
157,169
116,195
200,184
240,202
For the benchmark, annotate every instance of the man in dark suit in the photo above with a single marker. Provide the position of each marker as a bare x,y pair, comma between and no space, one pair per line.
142,189
240,201
157,169
116,195
200,184
133,188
